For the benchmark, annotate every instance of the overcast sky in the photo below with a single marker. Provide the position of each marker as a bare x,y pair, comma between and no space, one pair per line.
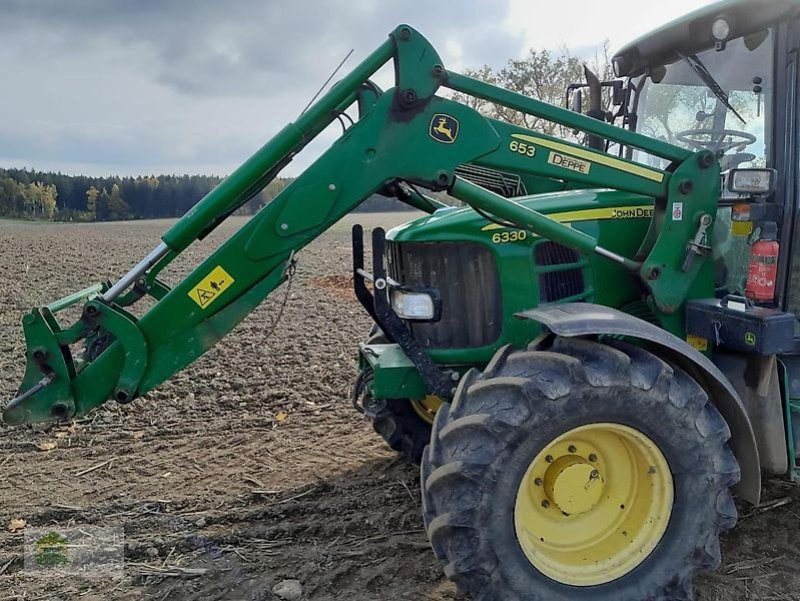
130,87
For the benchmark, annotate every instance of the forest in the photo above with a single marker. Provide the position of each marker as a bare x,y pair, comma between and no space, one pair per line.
51,196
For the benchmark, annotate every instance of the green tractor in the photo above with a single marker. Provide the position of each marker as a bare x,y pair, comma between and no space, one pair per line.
587,359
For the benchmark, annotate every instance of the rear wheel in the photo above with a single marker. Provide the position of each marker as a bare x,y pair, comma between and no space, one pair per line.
404,424
586,471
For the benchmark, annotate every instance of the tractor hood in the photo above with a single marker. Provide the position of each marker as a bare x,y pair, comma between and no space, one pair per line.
570,206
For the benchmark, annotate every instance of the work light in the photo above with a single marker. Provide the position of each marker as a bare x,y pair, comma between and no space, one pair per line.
720,29
758,182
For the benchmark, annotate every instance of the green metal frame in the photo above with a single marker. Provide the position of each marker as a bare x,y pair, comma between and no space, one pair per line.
394,139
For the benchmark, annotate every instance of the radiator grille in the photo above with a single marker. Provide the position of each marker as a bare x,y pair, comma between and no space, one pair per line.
501,182
467,279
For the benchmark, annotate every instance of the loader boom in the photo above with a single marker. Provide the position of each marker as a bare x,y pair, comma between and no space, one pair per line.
407,134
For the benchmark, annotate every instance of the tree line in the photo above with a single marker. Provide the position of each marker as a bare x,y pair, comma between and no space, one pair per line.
38,194
51,196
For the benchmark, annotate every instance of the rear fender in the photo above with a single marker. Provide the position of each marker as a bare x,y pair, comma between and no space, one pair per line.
585,319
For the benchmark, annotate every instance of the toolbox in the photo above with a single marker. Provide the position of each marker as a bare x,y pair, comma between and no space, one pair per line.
736,323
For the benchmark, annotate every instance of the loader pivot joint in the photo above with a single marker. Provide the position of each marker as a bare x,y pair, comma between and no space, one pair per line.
407,98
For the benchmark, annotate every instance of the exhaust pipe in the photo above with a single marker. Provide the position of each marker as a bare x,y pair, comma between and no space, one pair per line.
595,107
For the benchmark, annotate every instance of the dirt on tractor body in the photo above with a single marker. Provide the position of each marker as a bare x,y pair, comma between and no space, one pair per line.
251,468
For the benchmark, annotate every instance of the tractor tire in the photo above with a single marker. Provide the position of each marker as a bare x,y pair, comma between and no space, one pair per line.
603,422
399,423
403,429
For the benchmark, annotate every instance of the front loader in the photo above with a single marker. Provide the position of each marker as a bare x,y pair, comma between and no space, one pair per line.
587,358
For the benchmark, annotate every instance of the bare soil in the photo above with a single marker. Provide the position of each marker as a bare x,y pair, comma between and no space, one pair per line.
251,466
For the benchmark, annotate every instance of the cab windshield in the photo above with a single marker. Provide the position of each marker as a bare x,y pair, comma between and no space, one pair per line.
719,100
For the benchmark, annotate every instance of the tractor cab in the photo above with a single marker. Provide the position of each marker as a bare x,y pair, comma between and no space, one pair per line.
723,78
722,99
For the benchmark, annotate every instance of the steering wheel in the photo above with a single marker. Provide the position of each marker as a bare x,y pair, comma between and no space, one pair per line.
717,140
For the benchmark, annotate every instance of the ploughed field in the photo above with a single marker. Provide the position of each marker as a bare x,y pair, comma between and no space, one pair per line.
251,467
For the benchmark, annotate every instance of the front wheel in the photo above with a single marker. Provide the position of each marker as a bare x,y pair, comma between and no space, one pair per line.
586,471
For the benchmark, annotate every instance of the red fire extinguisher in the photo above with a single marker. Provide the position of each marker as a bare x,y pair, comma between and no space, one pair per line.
762,271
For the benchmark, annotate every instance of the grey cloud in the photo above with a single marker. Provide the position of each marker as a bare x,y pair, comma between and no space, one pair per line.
238,47
175,83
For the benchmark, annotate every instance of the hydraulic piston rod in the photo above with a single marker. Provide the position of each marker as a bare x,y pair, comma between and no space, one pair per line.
141,268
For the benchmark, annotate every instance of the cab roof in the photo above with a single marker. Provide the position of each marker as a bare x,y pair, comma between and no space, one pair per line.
692,32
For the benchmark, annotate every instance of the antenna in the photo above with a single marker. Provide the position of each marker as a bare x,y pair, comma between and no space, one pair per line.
327,81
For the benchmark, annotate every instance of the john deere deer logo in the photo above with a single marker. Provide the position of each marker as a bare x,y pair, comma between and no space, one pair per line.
444,128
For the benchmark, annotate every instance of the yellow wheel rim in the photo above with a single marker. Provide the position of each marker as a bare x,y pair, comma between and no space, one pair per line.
593,504
427,407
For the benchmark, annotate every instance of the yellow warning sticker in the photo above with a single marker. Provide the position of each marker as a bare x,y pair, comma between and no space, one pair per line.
701,344
211,286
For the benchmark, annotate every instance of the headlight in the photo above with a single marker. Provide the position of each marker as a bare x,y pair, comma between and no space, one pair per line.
758,182
416,305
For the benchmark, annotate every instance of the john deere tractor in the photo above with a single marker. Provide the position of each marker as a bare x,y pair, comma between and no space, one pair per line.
587,358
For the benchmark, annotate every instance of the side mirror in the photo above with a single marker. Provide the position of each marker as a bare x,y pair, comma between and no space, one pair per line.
577,102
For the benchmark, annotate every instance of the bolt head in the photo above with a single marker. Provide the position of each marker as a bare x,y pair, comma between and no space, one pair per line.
572,448
284,226
442,178
654,273
549,459
546,504
331,187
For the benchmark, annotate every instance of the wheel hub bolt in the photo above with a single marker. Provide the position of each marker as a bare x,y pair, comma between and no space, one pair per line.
538,482
592,457
549,459
546,504
572,448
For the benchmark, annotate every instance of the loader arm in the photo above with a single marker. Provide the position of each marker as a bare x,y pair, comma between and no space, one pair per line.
407,134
